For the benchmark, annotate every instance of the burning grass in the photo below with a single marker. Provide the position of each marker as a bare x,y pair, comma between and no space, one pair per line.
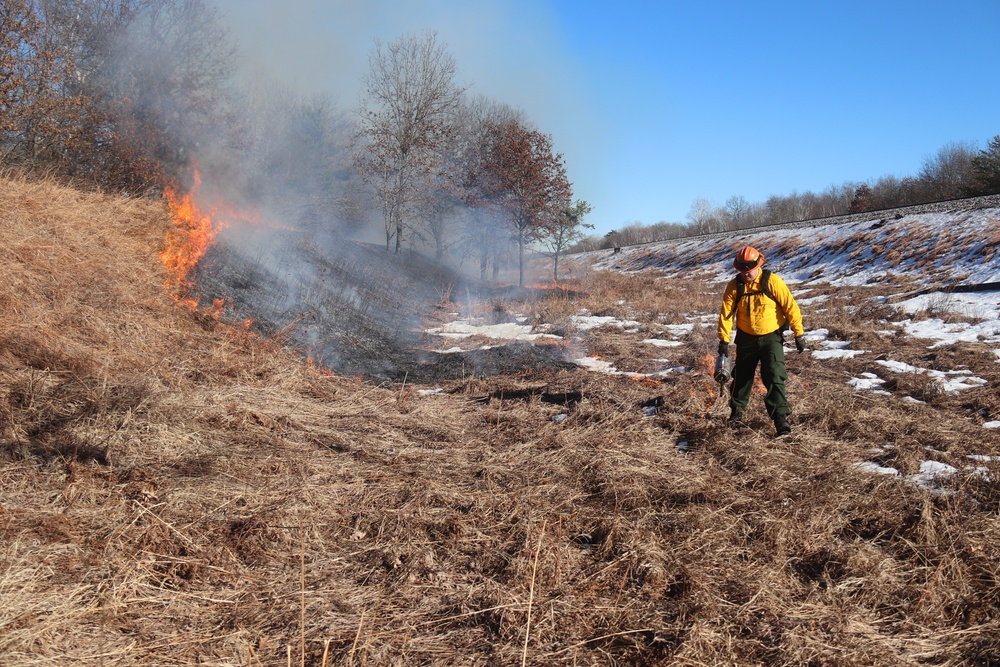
177,491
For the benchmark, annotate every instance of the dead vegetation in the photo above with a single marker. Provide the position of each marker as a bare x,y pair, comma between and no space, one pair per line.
174,490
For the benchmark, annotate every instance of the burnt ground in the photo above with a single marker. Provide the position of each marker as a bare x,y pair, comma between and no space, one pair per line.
359,311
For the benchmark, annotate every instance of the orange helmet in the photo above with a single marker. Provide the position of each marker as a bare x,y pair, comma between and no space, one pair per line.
748,259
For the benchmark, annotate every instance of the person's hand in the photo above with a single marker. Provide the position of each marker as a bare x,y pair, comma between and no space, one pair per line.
723,348
800,344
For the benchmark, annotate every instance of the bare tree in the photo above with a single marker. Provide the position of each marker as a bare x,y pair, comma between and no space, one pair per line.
704,217
290,153
436,209
836,200
949,170
409,98
737,210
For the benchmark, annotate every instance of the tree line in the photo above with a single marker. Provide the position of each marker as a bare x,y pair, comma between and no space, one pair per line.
132,95
956,170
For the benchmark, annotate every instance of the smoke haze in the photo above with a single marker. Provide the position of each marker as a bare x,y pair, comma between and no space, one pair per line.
509,50
290,201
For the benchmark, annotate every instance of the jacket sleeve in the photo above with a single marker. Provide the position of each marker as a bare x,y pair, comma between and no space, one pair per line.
784,297
725,321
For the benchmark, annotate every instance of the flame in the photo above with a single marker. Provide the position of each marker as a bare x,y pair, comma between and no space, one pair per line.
216,308
192,234
194,229
645,381
708,368
317,367
708,364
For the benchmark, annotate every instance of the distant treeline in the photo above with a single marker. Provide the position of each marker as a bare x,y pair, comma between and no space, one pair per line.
955,171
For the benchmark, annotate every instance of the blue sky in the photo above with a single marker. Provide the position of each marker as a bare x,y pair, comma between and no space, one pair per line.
655,105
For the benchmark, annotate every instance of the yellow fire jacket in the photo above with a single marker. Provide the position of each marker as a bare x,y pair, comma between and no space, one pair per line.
757,313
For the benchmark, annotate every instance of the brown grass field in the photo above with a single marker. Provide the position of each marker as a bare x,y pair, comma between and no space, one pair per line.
175,490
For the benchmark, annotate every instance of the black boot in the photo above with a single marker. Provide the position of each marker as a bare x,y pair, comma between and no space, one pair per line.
781,425
735,420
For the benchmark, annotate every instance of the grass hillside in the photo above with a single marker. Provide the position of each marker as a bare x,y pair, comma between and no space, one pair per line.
176,490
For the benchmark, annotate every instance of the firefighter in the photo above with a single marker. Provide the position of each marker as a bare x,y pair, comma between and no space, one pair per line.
762,307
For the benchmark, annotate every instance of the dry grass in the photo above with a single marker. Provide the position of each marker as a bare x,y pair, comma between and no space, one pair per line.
175,491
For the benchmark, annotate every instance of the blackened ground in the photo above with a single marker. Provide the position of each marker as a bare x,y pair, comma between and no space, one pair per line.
519,359
358,310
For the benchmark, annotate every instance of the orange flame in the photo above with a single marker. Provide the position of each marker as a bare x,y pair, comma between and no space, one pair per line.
708,364
708,368
194,230
192,234
318,368
216,308
645,381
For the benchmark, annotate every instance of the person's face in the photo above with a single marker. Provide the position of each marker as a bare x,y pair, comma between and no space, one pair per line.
749,276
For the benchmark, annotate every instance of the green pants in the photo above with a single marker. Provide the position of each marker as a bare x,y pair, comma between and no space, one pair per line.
766,350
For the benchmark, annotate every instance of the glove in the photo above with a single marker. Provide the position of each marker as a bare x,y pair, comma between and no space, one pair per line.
800,344
723,348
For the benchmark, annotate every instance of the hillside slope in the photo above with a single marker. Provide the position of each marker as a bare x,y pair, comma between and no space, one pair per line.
928,249
175,490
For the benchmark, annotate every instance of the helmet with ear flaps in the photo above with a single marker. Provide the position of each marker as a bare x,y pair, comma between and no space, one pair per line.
748,259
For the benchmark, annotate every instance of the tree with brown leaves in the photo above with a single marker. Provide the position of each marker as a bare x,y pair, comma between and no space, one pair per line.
39,116
526,180
483,232
114,91
18,44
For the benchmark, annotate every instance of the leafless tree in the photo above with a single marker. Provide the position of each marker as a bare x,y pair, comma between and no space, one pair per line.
836,199
409,98
291,153
436,210
737,210
704,218
948,171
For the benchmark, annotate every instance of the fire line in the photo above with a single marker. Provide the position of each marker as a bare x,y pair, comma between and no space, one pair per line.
192,234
